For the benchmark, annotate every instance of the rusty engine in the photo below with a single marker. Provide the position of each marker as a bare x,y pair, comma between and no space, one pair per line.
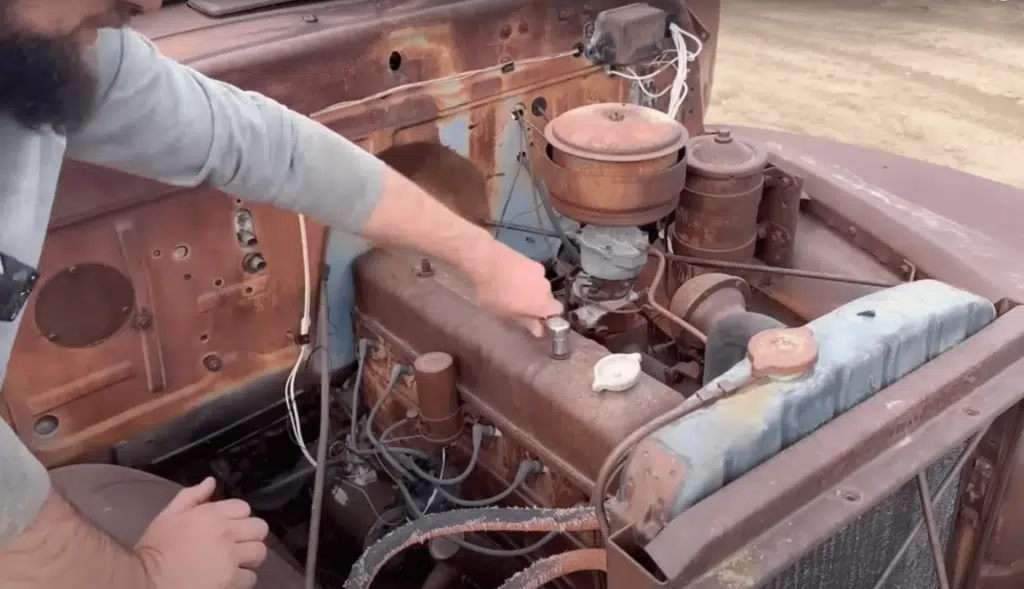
751,344
675,370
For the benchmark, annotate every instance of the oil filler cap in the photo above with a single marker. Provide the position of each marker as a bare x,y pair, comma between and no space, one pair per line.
616,372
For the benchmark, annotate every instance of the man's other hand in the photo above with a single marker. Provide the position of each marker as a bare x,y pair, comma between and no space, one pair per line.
514,286
199,544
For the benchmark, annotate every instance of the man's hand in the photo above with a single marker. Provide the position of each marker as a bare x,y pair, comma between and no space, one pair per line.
514,286
507,283
199,544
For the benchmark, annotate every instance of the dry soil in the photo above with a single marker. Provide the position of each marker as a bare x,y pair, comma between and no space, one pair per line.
939,81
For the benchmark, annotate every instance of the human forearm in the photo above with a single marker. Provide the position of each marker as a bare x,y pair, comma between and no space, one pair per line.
407,216
61,549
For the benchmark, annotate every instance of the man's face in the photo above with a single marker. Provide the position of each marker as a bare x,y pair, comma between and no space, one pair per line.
45,75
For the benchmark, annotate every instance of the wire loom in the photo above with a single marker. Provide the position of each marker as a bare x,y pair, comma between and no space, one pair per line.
489,519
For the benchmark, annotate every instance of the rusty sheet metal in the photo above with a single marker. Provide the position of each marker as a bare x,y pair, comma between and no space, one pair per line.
764,521
916,209
505,374
200,325
985,549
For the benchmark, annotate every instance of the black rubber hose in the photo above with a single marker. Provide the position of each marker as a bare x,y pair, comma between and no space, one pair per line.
488,519
728,339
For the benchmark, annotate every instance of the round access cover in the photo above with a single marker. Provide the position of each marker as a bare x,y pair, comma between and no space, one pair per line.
616,372
83,305
782,352
721,155
616,132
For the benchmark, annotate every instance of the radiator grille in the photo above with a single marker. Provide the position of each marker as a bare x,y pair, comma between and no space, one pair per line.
856,557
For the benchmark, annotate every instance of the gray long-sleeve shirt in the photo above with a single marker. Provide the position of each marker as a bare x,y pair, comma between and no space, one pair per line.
161,120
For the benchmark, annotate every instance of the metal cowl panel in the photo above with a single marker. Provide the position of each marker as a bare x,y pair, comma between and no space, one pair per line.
613,164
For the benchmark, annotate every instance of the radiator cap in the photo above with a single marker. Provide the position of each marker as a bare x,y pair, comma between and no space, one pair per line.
782,353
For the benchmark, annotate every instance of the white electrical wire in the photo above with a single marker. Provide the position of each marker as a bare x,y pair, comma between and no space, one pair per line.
459,76
304,349
304,327
678,89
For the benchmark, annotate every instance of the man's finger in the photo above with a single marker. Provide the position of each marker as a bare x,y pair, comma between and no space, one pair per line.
232,508
252,529
243,579
192,496
533,325
250,555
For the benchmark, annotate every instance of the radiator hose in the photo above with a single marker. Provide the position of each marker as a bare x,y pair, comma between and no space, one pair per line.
488,519
554,567
728,339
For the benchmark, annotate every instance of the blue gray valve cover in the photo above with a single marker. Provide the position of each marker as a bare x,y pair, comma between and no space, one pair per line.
863,347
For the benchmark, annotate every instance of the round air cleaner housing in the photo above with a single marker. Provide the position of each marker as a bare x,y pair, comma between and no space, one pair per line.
616,165
717,215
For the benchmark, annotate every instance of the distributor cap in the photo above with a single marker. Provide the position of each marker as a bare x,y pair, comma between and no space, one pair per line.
614,132
722,156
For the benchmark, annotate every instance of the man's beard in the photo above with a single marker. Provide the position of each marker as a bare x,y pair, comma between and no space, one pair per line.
44,82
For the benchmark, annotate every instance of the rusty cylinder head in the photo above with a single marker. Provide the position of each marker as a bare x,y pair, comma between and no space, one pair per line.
613,165
717,214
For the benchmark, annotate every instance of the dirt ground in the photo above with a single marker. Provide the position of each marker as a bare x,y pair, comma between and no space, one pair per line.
941,81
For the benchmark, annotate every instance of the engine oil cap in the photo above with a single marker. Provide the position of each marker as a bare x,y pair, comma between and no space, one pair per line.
782,353
616,372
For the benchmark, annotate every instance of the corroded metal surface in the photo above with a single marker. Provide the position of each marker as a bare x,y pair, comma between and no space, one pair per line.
611,132
210,326
792,503
717,216
506,375
83,305
782,352
436,397
613,164
708,297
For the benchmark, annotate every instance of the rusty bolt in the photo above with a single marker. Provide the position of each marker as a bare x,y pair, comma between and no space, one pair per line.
426,269
143,320
213,363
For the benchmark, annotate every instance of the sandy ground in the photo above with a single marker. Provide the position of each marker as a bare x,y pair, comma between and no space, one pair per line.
941,81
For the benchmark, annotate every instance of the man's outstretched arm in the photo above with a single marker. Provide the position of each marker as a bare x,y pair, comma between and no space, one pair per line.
162,120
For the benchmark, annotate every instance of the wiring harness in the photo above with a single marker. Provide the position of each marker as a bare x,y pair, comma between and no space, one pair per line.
411,468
